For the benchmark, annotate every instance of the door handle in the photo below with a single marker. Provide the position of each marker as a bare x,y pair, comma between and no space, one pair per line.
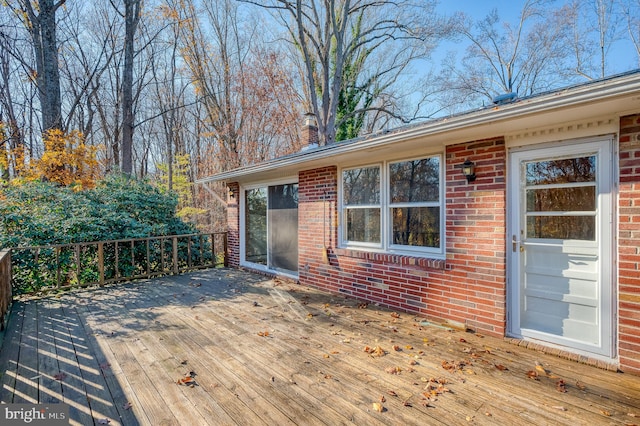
514,244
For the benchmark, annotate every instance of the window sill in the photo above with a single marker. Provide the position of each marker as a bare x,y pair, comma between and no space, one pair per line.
400,259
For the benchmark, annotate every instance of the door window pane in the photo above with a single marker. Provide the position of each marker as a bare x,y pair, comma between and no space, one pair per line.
562,227
283,227
577,198
579,169
256,226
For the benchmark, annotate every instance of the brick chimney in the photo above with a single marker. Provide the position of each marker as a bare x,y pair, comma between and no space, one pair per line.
309,132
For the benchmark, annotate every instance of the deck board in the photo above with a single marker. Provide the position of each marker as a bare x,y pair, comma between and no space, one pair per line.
266,351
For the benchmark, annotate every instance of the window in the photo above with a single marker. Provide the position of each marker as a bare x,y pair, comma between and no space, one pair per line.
395,206
361,198
414,191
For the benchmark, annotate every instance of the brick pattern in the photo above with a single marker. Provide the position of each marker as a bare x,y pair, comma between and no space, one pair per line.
309,135
468,289
233,224
629,245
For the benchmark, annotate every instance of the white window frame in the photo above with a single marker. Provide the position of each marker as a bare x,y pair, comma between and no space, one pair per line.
386,207
379,206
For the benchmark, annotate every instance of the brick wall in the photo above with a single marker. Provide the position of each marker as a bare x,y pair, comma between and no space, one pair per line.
468,289
233,224
629,245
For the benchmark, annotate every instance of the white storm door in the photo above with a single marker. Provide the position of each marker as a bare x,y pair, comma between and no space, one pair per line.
561,244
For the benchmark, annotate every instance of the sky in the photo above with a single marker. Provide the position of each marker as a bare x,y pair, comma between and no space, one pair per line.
622,56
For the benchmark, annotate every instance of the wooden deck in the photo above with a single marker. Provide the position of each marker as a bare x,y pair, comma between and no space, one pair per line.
266,352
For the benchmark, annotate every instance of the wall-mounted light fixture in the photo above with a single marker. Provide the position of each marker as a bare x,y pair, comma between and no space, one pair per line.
469,170
232,192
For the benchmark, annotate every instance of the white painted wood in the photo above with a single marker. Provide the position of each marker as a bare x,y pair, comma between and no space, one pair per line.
561,290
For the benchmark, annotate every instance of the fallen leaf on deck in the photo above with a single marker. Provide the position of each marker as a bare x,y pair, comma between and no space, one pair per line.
104,421
263,333
377,351
395,315
309,315
396,348
462,340
532,375
605,413
105,366
453,366
382,398
408,347
561,386
393,370
501,367
393,393
580,385
378,407
187,380
541,369
60,376
127,406
406,404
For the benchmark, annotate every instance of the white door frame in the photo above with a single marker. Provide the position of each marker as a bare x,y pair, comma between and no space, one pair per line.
603,147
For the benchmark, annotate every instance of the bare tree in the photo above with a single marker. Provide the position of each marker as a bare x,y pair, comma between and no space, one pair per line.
220,48
631,13
502,58
596,27
332,34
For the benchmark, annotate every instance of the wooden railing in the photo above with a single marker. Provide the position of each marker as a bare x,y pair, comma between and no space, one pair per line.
62,266
5,285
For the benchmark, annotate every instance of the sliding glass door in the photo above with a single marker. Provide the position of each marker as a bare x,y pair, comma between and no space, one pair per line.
271,227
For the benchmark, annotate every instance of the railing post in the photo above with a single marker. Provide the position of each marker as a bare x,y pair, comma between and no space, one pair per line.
101,263
117,268
78,267
225,254
148,258
57,250
175,254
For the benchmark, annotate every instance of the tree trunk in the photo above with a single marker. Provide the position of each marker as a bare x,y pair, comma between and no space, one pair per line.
42,28
131,17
